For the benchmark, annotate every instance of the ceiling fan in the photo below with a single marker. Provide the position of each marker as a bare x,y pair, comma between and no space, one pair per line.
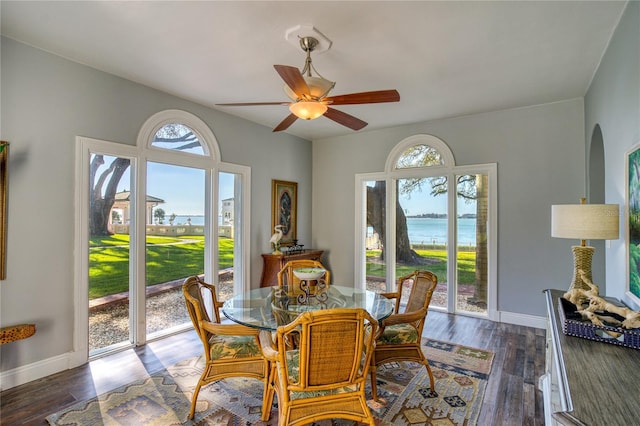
309,95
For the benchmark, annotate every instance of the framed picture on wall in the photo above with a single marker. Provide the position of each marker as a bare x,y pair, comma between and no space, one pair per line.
284,209
632,225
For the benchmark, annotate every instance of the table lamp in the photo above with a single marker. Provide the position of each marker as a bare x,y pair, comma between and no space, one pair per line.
584,222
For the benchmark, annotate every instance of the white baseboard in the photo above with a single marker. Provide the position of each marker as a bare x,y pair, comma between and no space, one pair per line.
523,319
35,371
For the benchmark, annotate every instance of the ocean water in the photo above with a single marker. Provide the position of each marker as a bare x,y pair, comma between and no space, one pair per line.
182,220
421,230
424,230
427,231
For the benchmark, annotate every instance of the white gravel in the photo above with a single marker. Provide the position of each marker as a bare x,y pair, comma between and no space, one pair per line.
109,324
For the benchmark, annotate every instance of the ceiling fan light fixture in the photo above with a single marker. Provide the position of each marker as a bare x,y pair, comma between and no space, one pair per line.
309,93
318,88
308,110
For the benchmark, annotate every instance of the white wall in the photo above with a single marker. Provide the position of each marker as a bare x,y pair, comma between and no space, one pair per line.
540,155
46,102
613,103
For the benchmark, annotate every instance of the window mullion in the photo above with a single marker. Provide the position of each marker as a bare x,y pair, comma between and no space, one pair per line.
137,263
452,244
390,238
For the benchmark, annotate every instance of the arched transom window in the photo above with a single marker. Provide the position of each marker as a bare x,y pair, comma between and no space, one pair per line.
178,137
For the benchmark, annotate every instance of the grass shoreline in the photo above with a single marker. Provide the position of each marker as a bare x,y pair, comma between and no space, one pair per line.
171,257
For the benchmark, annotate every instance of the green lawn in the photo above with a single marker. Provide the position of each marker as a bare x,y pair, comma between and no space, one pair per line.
166,261
466,265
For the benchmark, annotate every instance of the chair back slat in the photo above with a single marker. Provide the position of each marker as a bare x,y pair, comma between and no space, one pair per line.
334,348
422,284
337,364
194,290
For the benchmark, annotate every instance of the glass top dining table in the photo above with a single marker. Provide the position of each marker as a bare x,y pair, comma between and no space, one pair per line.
267,308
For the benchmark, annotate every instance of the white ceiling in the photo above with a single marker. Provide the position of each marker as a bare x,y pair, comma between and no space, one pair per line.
446,59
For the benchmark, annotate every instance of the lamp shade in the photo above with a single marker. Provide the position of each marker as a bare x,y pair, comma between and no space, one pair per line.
308,110
585,221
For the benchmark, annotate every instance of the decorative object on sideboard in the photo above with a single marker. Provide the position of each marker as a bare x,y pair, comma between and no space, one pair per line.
294,249
584,222
587,314
275,239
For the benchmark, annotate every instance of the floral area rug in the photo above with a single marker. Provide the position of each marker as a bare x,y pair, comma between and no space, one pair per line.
163,399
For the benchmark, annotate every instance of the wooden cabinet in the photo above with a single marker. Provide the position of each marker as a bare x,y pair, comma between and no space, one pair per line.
273,263
587,382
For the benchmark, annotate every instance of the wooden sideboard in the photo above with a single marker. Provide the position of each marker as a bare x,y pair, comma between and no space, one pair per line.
273,263
587,382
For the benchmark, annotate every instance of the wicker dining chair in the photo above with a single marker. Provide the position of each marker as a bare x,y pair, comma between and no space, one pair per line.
286,276
230,350
400,334
325,376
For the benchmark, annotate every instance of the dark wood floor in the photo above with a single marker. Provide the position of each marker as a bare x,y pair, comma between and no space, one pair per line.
512,396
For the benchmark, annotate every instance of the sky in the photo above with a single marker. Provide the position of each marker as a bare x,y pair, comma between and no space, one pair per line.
422,202
182,188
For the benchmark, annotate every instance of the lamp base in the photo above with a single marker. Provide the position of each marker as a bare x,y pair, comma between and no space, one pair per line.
582,256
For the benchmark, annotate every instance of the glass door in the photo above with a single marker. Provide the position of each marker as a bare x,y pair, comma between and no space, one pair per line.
229,235
422,231
472,257
109,284
175,242
375,236
148,219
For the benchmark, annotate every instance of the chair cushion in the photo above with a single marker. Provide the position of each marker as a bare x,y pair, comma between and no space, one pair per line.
293,364
398,334
233,347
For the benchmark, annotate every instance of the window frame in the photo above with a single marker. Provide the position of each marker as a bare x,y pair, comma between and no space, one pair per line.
449,169
139,155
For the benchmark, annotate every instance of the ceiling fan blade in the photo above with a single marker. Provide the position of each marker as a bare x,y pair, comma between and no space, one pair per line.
293,78
345,119
284,124
254,103
374,97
